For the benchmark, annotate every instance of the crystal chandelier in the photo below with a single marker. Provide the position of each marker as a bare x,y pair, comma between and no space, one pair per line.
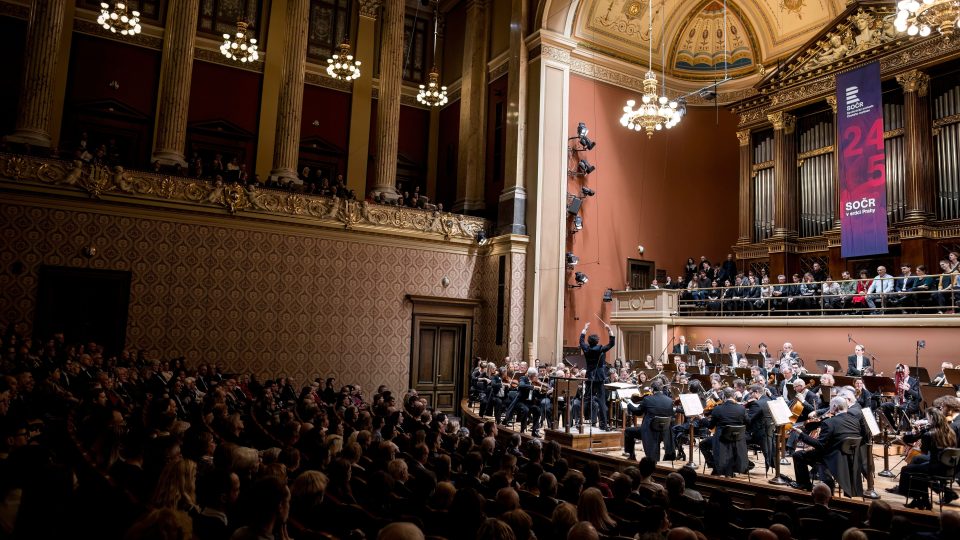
240,47
921,17
656,111
433,94
116,19
342,65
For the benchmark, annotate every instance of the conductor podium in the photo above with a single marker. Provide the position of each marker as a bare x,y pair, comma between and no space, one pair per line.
581,437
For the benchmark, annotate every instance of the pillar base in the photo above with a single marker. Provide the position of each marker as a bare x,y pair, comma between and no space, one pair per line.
169,158
469,207
389,192
32,137
914,217
286,176
511,218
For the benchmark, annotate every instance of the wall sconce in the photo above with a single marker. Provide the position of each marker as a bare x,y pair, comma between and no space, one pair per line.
89,252
114,84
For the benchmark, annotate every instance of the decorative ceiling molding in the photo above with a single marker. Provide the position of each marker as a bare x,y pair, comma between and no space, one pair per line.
700,47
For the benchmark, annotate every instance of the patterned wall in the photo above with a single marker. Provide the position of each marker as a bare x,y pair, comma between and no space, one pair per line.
258,300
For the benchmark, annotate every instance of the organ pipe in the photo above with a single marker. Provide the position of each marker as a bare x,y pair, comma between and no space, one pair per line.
946,149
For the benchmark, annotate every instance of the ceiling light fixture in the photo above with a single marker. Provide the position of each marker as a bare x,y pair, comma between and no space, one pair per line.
921,17
655,112
240,47
342,65
433,94
117,20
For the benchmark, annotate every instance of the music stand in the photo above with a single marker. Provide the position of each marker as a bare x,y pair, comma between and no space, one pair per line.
884,385
822,365
952,376
743,373
704,380
669,367
619,391
929,394
815,377
567,386
755,359
692,408
781,417
843,380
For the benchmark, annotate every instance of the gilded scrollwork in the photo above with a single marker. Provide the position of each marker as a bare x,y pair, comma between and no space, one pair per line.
99,180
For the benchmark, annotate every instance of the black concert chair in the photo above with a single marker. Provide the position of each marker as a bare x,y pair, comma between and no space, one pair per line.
733,435
661,426
950,459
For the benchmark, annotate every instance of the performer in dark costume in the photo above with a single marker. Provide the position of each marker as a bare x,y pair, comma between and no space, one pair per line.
595,356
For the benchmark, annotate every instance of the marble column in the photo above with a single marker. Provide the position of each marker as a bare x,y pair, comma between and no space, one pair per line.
286,151
746,177
176,70
360,99
388,102
511,218
785,174
918,140
44,36
471,162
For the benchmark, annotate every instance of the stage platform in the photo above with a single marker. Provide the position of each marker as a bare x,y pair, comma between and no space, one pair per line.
754,490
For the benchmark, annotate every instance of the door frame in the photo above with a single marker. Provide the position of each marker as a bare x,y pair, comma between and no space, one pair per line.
437,309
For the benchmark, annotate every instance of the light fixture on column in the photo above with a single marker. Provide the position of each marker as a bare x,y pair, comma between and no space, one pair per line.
920,17
118,20
342,65
240,47
580,278
433,94
572,259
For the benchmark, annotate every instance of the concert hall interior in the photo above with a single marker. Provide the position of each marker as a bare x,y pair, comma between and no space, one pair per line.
403,269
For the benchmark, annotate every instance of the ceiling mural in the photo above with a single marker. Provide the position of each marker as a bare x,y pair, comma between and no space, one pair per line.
702,50
760,31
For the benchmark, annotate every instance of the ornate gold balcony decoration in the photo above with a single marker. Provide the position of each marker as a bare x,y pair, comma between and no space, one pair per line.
101,182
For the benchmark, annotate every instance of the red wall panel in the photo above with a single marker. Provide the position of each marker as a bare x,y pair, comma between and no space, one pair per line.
677,194
221,94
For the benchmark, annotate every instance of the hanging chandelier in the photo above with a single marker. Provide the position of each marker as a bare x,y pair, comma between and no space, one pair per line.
433,94
656,111
117,20
921,17
240,47
342,65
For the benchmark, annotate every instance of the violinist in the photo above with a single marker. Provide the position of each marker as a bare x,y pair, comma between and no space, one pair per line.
908,400
681,432
726,458
648,362
526,403
950,406
492,387
509,392
657,404
934,435
863,396
826,450
702,366
941,378
760,424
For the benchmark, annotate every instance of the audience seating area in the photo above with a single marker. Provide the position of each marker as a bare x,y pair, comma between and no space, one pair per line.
122,446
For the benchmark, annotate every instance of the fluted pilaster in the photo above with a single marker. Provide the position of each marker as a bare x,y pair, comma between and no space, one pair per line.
471,168
44,36
785,173
176,71
746,172
290,108
388,105
511,217
918,140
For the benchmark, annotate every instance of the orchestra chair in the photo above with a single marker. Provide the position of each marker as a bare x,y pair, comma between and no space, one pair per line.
732,436
848,449
950,459
661,426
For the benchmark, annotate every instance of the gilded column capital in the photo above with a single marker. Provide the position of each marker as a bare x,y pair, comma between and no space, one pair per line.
783,120
914,81
744,137
368,8
832,101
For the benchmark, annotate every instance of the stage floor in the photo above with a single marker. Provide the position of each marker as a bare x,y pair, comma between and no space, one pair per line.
757,474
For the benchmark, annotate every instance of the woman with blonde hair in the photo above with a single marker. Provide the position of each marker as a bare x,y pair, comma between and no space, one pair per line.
306,495
592,508
177,487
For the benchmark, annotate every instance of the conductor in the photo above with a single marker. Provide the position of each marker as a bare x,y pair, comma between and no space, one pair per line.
595,356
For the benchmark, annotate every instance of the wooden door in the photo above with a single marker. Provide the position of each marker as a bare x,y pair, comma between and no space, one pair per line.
439,357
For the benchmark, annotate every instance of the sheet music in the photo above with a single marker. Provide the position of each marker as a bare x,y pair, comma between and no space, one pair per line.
871,421
691,404
780,411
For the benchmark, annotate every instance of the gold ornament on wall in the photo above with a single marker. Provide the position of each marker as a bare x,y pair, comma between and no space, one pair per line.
793,6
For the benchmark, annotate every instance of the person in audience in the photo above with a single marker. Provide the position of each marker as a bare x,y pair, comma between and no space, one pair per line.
592,509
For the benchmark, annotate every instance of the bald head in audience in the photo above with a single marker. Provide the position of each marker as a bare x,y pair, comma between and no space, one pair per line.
583,531
821,494
762,534
681,533
400,530
854,533
781,530
508,499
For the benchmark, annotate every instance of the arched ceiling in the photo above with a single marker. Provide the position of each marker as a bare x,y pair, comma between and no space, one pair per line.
688,34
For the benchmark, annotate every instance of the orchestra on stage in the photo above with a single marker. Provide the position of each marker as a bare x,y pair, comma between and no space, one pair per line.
724,404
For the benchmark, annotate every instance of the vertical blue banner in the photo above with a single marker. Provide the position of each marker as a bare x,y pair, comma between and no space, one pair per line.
861,163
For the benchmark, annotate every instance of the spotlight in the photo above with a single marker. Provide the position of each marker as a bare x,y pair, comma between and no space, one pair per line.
481,237
582,130
580,278
587,192
577,224
585,141
608,295
573,207
572,259
584,167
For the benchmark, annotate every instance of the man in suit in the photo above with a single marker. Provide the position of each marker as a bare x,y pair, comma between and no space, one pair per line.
723,457
681,347
810,403
650,407
835,522
595,356
826,451
760,422
880,288
857,362
789,379
733,358
901,285
788,355
910,386
709,346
